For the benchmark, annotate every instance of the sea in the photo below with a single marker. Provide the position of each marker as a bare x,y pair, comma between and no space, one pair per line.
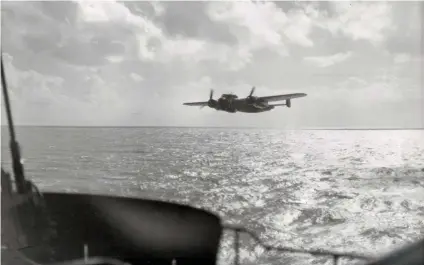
359,191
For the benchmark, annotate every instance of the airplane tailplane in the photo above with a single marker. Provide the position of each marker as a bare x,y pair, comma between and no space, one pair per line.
288,104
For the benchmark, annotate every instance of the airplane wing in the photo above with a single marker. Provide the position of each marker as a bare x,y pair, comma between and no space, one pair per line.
196,103
282,97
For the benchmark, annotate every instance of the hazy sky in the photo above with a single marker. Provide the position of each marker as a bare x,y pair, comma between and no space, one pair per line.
135,63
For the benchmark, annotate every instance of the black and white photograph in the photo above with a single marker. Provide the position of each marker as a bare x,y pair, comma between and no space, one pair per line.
212,132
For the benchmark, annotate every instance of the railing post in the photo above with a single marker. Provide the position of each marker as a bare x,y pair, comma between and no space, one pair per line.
236,247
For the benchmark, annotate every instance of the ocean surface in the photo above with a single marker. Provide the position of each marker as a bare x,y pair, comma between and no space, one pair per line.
355,191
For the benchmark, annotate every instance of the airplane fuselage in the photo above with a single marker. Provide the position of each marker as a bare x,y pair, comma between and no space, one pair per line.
233,105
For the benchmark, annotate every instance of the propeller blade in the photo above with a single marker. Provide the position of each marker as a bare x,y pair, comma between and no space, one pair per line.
251,91
211,94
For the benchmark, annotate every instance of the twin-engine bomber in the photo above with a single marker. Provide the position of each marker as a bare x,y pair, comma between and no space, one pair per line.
251,104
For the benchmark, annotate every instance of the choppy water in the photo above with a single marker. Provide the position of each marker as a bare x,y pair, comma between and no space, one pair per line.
356,191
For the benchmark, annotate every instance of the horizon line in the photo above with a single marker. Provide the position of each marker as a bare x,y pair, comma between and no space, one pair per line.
222,127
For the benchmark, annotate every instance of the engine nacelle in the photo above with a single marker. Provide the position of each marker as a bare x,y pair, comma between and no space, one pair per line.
213,104
251,100
288,103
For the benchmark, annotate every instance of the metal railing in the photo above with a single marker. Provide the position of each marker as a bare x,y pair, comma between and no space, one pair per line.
326,253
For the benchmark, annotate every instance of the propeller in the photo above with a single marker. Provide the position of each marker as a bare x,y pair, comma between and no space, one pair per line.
211,100
252,91
251,99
